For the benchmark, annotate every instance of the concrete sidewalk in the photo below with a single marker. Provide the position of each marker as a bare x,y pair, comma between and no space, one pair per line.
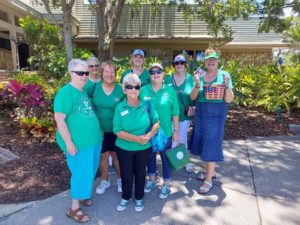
258,184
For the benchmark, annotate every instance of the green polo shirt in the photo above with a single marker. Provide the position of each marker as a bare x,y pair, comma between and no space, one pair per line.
105,105
144,77
183,92
81,120
165,102
134,121
218,80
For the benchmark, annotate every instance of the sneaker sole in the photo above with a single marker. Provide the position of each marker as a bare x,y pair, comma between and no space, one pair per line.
163,196
149,190
100,192
120,210
139,210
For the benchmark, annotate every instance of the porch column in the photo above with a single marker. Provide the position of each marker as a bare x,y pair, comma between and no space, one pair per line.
13,42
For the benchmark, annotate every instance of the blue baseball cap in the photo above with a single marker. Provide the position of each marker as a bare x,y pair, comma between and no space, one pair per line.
138,52
179,58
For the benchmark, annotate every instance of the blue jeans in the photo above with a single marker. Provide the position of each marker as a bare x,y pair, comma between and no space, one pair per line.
165,163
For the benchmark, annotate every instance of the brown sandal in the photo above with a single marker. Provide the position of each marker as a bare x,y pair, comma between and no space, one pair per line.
73,214
86,202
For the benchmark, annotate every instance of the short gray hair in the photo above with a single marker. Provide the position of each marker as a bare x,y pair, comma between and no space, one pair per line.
131,78
93,58
75,62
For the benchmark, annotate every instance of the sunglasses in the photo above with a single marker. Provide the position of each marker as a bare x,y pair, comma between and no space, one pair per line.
179,63
153,72
81,73
130,87
94,66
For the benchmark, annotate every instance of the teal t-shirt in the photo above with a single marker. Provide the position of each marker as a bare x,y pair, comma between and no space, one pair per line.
105,105
183,92
219,80
134,121
89,87
144,77
166,104
81,120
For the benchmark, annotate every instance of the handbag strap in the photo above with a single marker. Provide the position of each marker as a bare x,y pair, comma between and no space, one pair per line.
178,92
148,106
93,91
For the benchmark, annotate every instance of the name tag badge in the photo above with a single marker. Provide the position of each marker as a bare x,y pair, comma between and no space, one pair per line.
116,99
170,84
146,98
124,113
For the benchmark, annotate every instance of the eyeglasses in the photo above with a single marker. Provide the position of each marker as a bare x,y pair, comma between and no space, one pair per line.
130,87
153,72
81,73
179,63
94,66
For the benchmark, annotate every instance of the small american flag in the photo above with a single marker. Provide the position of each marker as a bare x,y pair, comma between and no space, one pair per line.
215,92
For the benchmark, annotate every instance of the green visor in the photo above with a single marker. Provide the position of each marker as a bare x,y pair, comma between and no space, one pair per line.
212,55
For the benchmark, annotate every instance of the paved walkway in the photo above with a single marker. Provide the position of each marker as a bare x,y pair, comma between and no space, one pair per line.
258,184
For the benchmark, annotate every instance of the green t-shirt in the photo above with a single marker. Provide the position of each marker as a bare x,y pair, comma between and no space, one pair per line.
89,87
144,76
183,92
134,121
105,105
81,120
165,102
218,80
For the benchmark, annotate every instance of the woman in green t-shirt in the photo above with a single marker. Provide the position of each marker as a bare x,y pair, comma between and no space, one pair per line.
79,136
183,84
211,113
165,102
131,121
107,94
94,76
137,60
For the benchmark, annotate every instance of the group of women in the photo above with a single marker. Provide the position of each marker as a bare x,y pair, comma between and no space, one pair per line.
97,116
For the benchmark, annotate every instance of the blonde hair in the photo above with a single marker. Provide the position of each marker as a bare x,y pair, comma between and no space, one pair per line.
109,64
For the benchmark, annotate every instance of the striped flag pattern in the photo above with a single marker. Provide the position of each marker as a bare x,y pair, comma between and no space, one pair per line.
214,92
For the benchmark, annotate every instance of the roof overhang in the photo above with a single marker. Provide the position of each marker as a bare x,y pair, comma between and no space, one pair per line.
21,7
251,45
156,39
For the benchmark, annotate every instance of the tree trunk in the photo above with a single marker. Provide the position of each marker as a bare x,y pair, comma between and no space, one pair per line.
67,30
108,19
68,34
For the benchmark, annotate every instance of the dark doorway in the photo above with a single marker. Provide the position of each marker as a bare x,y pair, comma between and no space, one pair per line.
23,55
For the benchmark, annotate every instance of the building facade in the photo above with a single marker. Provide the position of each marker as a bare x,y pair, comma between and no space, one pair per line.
162,36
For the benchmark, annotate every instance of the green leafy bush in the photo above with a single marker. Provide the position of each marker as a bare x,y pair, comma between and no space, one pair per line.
269,86
57,66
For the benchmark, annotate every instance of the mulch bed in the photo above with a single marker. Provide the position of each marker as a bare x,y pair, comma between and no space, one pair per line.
41,170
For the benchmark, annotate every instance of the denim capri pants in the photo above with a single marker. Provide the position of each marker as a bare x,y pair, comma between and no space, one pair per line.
83,167
208,132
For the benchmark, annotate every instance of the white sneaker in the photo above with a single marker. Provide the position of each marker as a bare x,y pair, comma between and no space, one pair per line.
119,183
102,187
